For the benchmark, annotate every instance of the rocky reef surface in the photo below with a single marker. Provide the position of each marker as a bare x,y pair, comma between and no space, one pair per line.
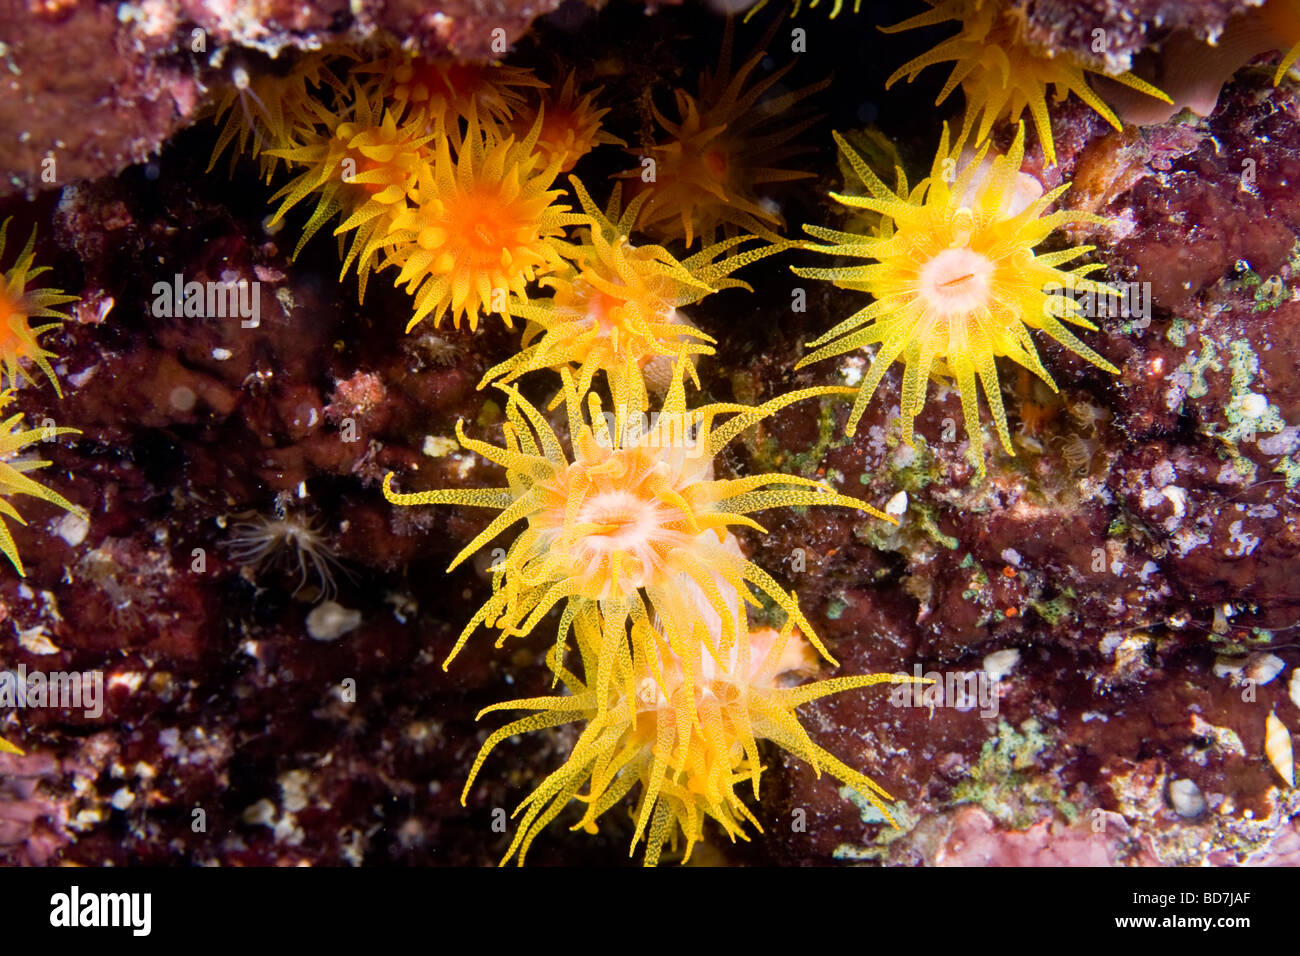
1126,583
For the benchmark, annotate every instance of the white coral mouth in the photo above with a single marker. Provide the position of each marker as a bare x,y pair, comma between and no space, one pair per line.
956,283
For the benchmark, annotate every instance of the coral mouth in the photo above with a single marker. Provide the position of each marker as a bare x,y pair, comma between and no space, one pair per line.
957,282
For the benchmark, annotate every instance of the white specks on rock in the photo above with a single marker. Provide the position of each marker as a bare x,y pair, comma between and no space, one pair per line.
1229,475
1177,497
1185,540
851,371
1252,404
438,446
1243,542
1228,666
1283,443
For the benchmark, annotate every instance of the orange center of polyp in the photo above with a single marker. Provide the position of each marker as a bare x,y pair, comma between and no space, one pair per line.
715,161
481,224
11,320
622,519
956,282
446,82
621,523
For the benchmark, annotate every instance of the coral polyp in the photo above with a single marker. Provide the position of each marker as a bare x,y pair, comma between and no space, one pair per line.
714,165
1062,360
287,541
14,471
956,283
1001,74
362,166
19,340
479,228
443,93
570,124
260,110
612,524
616,308
685,729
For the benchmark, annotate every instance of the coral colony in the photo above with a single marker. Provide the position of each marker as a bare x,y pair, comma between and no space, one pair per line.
496,202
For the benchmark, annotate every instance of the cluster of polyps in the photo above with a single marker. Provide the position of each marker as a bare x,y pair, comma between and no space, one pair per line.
632,540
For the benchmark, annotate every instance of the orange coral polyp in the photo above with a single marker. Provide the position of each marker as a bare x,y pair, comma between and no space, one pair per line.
446,92
570,128
614,523
19,340
630,519
14,480
728,143
362,168
956,283
616,308
479,229
1001,74
684,726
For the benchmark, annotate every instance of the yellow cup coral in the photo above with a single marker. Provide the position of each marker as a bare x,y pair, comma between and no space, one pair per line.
444,93
612,526
13,474
362,164
1001,74
259,111
728,145
616,308
956,283
479,229
570,124
19,341
686,730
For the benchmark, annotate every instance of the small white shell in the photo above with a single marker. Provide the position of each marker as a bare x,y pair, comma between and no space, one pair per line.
1262,668
1186,799
1001,663
1228,666
34,641
329,621
1177,497
1277,747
